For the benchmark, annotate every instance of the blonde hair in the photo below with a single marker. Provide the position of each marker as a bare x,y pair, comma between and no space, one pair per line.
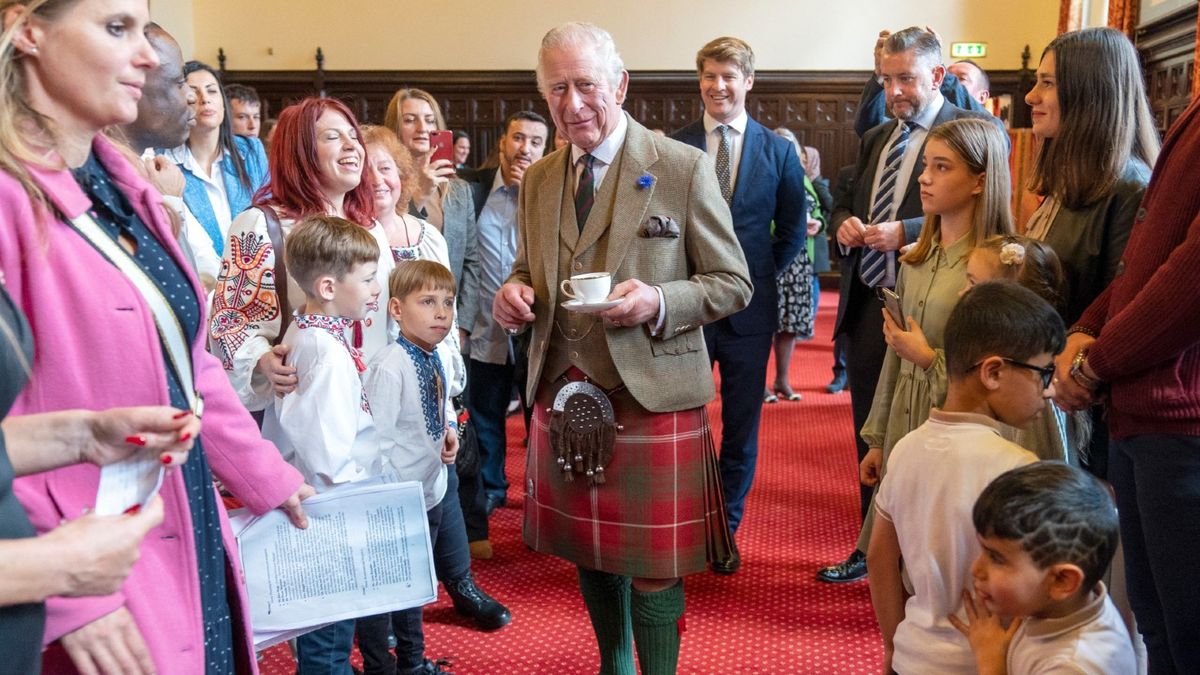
393,115
727,50
413,276
26,135
320,245
373,134
983,148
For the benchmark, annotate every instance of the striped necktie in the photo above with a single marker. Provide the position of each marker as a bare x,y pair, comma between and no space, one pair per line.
724,169
585,193
874,265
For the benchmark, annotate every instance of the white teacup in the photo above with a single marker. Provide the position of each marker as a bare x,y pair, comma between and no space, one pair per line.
587,288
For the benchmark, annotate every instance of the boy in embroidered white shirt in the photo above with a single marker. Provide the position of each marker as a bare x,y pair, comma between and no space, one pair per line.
407,386
1048,532
1000,342
324,426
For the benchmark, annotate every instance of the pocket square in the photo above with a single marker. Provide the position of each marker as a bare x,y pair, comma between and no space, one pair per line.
659,226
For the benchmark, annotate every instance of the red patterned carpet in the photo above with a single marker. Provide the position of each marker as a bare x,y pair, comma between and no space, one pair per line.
772,617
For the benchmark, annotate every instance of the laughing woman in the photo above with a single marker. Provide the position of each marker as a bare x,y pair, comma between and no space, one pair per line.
319,163
87,254
222,170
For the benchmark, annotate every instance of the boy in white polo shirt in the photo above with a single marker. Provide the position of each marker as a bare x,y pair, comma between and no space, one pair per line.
1000,343
1048,532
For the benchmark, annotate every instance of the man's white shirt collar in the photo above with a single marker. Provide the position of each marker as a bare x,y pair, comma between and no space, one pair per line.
738,123
607,151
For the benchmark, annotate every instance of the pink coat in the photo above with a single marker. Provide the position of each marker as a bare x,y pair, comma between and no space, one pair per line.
97,347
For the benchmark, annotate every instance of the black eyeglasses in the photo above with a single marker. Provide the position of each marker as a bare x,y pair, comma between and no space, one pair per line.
1045,372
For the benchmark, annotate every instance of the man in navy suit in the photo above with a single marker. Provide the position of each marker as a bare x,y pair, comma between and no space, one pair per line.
881,214
763,183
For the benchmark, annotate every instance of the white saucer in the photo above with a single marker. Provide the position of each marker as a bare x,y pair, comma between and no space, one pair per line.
591,307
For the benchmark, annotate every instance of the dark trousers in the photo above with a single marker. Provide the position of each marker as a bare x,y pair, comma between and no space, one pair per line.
406,625
839,356
1157,481
488,396
451,553
742,360
862,331
326,651
473,503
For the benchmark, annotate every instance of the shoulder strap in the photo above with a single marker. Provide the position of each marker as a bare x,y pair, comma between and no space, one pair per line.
275,234
169,329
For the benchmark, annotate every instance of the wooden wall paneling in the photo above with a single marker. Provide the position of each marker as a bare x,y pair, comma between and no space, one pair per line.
1167,47
818,106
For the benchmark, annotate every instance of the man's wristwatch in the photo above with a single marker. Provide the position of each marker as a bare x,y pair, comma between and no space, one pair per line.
1077,374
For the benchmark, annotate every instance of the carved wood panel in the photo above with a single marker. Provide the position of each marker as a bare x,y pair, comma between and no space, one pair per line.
1167,46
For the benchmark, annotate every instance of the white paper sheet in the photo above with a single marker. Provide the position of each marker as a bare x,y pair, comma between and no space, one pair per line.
131,482
366,551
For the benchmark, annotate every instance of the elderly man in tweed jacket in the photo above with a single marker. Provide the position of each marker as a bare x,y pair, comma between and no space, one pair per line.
647,210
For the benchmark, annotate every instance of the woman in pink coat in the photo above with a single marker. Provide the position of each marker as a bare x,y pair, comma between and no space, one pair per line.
87,253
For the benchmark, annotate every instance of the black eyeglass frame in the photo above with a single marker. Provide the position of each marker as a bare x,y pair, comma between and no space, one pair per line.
1045,372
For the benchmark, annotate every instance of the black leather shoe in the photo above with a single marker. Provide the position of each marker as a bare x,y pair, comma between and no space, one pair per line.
850,569
493,503
470,601
728,566
429,667
838,384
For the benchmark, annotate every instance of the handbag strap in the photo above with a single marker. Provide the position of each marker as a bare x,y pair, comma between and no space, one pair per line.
169,329
275,234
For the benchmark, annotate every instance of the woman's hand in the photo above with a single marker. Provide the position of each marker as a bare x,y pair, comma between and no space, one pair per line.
1069,394
869,468
910,345
282,377
293,508
96,553
110,645
450,448
814,226
431,175
118,433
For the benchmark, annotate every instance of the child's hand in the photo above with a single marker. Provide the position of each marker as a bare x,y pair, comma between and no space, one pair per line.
450,449
987,635
910,345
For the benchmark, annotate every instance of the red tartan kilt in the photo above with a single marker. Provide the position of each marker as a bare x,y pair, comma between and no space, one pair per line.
660,515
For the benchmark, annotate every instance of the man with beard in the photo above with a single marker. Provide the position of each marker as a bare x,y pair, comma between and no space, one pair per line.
880,215
494,357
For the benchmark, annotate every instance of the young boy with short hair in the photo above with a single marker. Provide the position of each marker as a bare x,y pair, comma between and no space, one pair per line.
324,427
1048,533
1000,342
418,435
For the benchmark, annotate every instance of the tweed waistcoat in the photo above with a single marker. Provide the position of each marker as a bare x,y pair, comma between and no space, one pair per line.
579,339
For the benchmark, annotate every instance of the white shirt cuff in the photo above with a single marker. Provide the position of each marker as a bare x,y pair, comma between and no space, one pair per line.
662,313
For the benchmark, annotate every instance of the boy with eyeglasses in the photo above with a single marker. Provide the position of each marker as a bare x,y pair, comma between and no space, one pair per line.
1000,343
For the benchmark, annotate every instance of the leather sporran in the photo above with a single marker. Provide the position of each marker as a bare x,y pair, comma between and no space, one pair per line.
583,431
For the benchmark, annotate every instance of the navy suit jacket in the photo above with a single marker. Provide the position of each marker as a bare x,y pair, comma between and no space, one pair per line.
857,202
769,188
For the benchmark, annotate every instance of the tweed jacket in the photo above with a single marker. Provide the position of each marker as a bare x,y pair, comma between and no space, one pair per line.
702,272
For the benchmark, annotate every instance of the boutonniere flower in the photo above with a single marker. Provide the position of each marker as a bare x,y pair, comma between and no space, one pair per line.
645,180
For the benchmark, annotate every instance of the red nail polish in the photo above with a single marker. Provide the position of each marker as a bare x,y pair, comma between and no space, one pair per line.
181,415
185,437
166,459
133,510
135,440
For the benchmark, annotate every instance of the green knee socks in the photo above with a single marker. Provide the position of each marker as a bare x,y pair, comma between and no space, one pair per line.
607,599
655,629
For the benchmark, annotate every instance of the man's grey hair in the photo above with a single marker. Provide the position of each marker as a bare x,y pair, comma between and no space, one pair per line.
916,39
582,37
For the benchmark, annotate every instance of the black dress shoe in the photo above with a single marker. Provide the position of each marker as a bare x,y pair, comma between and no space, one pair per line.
470,601
850,569
493,503
838,384
728,566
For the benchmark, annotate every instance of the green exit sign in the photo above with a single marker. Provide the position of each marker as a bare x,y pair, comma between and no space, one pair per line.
968,50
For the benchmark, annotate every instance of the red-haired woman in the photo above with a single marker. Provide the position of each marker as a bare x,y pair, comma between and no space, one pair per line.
317,164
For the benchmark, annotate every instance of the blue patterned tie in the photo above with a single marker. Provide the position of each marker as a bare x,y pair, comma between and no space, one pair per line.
724,167
874,265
